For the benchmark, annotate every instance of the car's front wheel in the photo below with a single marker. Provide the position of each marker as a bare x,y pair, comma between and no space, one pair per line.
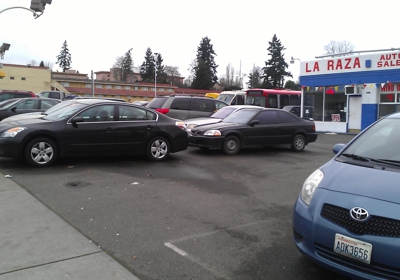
298,143
231,145
158,149
41,152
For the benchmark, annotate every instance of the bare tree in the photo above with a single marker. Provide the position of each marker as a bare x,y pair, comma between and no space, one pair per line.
171,71
336,47
33,62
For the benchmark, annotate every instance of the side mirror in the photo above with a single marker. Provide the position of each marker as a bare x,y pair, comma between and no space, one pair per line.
75,120
337,148
254,122
13,109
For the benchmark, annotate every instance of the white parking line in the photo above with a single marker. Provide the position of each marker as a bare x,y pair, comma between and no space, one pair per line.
176,249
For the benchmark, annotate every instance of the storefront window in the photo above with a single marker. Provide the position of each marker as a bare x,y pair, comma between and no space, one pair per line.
313,97
389,100
329,103
335,104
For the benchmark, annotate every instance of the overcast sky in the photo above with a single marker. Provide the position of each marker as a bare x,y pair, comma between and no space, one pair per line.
98,31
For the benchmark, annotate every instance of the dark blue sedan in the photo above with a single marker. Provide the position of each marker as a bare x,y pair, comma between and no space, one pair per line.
347,216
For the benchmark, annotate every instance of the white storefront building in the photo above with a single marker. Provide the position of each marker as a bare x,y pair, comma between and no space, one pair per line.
348,93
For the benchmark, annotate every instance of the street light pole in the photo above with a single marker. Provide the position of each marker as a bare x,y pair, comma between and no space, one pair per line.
155,74
292,60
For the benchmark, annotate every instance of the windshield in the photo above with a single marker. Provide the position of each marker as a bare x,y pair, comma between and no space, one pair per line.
56,107
64,112
226,97
242,116
379,142
9,104
223,112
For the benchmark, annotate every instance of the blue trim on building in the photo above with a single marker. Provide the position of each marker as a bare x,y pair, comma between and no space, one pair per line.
369,114
351,78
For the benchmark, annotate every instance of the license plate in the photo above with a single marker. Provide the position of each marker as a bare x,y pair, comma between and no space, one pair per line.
353,248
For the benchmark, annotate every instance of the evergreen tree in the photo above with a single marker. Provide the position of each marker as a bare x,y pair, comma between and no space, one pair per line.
160,68
123,67
64,58
205,69
292,85
147,70
274,72
41,64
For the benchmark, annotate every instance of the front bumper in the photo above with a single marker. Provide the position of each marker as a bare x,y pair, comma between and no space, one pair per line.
10,148
211,142
314,236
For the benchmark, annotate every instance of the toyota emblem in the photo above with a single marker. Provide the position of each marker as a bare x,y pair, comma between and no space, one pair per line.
359,214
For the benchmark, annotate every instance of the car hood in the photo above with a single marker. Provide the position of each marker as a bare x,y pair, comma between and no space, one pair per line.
362,181
217,126
24,122
201,121
34,115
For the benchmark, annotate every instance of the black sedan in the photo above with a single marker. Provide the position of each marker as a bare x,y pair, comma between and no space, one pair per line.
87,127
17,106
254,128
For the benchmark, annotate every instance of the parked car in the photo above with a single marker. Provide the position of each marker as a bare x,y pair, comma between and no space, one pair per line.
60,95
254,128
216,117
346,217
35,115
89,127
10,94
18,106
185,107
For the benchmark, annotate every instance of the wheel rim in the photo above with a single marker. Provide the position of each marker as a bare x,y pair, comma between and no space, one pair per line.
42,153
231,145
159,149
299,143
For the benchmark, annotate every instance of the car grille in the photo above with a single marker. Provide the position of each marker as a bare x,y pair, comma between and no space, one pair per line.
376,225
373,269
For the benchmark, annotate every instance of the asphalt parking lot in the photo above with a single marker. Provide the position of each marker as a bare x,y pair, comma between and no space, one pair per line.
199,215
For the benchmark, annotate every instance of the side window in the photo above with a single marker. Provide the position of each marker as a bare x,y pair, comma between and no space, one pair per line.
54,95
267,117
128,113
219,105
285,117
203,105
101,113
181,104
6,96
44,94
28,105
272,101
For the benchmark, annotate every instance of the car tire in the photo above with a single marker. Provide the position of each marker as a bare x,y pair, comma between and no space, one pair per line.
298,143
41,152
231,145
158,149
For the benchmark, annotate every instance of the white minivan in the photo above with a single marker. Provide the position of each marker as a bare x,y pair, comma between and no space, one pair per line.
235,97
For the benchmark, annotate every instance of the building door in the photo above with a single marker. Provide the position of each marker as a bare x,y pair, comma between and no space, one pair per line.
354,113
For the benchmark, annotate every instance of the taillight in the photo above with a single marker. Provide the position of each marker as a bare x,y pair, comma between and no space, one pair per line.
180,124
162,110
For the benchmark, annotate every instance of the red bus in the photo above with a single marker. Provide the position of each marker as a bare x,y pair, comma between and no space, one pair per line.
272,98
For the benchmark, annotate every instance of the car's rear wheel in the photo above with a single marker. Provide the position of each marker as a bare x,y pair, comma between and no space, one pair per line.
158,149
231,145
41,152
298,143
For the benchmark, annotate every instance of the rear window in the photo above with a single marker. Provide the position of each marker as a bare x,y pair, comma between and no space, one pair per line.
156,103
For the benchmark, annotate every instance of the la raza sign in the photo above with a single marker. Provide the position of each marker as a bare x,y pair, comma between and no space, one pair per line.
371,62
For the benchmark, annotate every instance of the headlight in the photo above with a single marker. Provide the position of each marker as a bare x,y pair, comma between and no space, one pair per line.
212,133
310,185
12,132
